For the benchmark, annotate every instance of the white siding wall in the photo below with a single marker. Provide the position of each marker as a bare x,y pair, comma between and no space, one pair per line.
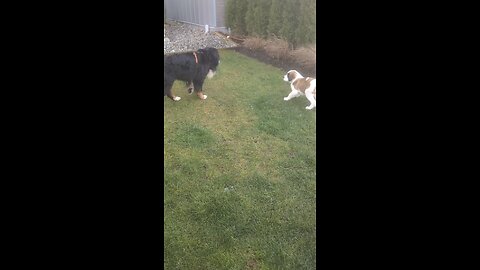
200,12
220,11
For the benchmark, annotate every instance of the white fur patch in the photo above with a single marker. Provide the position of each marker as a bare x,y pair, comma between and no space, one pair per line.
310,96
297,75
177,98
210,74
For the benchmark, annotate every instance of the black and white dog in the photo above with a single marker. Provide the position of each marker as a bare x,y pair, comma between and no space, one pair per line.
192,68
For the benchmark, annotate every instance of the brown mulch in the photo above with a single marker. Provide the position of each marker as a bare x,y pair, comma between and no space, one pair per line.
284,65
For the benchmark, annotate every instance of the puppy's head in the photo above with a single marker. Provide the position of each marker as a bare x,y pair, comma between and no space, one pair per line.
291,75
213,59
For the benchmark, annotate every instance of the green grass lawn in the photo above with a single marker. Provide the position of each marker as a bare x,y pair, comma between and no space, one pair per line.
240,171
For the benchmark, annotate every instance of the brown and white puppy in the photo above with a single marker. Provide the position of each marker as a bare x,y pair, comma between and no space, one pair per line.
302,86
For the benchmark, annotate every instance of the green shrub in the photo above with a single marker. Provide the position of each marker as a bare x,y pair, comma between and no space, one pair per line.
263,12
257,17
250,16
307,22
292,20
275,18
231,14
235,16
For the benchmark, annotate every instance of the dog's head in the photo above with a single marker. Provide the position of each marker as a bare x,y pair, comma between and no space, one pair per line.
291,75
212,59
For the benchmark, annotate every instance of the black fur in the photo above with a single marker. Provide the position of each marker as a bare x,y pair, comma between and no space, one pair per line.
183,67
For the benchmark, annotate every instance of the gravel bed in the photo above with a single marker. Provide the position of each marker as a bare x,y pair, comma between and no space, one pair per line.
183,37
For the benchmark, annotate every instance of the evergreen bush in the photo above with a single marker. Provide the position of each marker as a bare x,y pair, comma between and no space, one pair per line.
292,20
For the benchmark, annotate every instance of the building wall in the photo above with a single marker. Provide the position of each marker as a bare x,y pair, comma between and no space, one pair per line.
198,12
220,12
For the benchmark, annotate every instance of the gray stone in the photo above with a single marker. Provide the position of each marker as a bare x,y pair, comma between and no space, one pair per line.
182,37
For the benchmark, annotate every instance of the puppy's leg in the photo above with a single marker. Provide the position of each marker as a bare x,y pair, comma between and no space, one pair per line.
313,102
292,94
311,94
197,87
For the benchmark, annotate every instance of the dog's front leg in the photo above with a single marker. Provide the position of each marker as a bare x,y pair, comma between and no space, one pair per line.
197,86
201,95
292,94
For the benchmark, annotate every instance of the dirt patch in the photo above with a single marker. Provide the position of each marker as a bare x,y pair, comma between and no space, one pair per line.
284,64
252,265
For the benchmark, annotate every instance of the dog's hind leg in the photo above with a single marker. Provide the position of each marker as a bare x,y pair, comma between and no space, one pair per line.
313,102
190,87
311,94
167,90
